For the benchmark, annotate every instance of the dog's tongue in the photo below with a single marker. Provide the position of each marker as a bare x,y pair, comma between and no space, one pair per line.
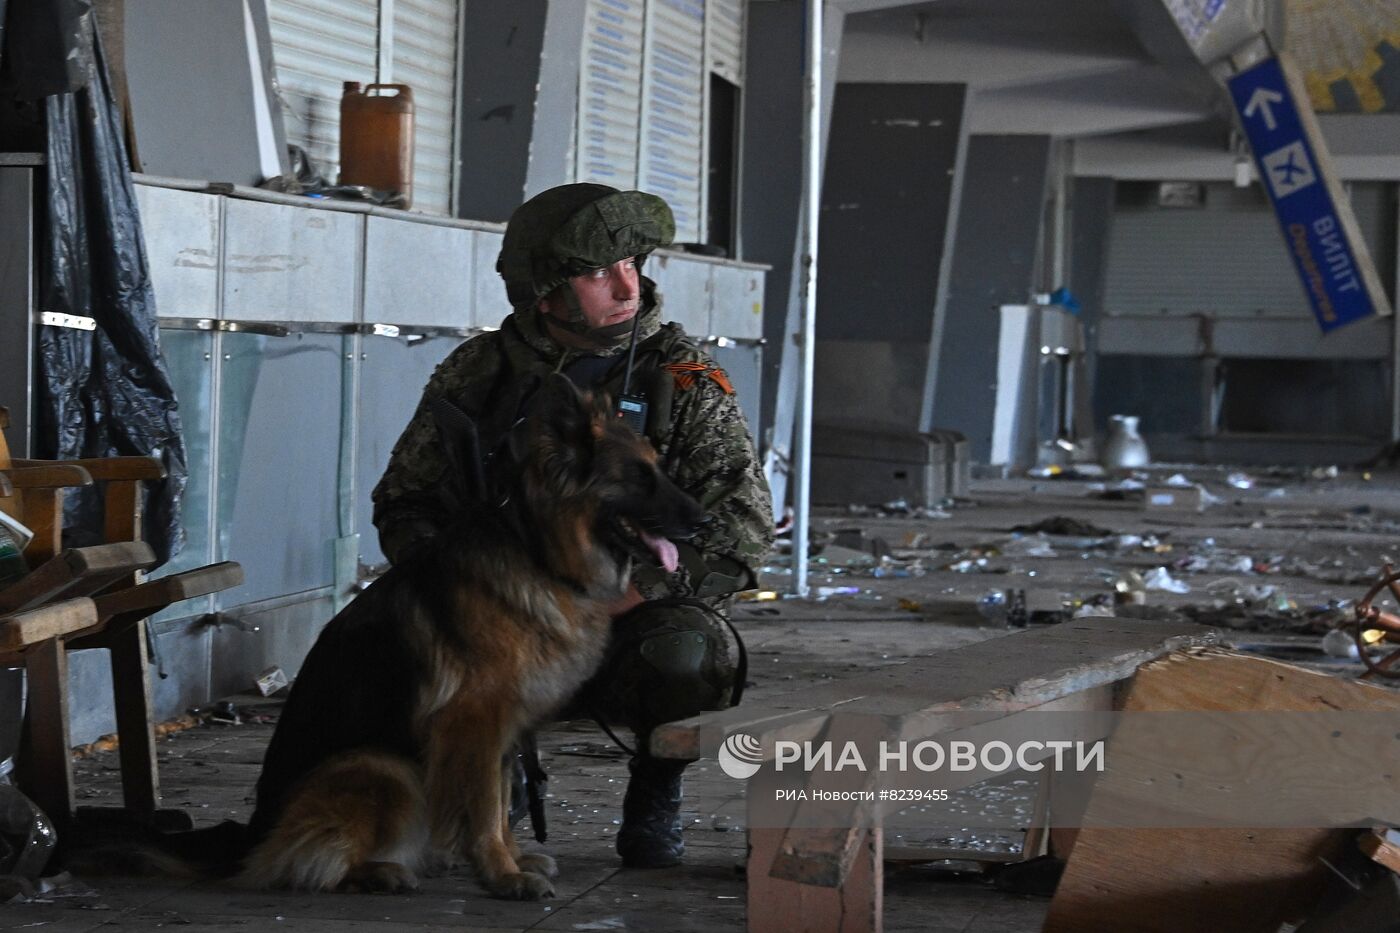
664,550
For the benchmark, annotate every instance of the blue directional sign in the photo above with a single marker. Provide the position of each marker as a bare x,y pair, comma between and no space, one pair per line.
1318,226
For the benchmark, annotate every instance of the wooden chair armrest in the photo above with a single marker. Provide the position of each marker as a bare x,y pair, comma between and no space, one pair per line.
108,468
119,610
154,595
49,475
22,629
77,571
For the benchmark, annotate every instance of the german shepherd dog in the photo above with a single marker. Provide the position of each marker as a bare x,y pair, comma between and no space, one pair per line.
390,755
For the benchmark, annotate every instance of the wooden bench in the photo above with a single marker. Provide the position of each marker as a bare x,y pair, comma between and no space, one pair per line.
113,618
830,879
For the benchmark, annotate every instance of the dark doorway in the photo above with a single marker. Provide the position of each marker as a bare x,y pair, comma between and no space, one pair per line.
724,146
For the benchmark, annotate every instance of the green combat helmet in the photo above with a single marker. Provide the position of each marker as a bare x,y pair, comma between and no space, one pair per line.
572,229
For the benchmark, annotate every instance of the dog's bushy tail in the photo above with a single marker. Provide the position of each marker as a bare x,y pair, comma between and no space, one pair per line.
307,858
212,852
355,811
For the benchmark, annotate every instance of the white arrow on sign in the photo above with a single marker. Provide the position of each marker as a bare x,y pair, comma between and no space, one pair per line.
1260,102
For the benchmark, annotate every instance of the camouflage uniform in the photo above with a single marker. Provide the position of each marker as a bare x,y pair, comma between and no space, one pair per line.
672,656
704,445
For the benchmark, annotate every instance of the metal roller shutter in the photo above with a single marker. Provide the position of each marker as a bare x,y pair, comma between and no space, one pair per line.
724,39
317,45
425,58
642,122
1227,259
671,159
609,93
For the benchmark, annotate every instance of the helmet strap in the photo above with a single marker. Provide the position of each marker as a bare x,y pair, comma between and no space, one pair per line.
571,302
577,324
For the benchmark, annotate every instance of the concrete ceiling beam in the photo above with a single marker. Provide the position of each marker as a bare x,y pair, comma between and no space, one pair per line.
1133,98
976,55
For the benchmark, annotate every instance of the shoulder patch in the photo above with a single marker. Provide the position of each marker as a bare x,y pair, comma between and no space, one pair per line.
686,375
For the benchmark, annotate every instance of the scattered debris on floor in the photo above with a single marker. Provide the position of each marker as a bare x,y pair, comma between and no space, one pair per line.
1276,560
1063,525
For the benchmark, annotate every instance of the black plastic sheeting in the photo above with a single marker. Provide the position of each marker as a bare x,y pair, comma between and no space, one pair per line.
105,392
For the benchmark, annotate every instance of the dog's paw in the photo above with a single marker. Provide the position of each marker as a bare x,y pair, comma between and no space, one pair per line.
521,886
539,863
380,878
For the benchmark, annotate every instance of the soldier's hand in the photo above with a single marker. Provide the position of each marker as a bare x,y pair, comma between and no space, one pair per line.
626,603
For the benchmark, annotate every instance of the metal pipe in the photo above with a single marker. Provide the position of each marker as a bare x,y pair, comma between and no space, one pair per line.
811,209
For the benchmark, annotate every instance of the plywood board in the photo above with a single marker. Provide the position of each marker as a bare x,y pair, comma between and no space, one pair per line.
1020,671
1155,880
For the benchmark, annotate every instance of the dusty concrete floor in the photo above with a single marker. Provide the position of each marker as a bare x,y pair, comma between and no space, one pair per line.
1314,541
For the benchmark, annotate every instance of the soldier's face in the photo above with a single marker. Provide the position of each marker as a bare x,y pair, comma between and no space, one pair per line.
610,295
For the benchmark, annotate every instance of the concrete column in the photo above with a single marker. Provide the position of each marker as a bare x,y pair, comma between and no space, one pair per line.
770,177
500,56
556,103
1090,224
889,181
771,200
520,61
993,263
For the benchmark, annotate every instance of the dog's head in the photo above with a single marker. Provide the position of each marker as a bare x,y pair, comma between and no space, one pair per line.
584,466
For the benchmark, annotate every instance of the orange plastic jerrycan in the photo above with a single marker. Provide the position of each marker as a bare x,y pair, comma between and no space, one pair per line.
376,138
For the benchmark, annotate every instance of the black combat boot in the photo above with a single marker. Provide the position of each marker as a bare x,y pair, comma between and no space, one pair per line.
650,836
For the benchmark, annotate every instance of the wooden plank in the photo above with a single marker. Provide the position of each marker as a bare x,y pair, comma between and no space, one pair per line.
43,514
118,557
1017,671
1037,841
154,595
23,629
119,610
1168,880
122,519
1154,880
820,880
46,764
918,855
1379,847
76,572
1217,679
131,686
823,857
854,907
45,583
822,842
108,468
46,474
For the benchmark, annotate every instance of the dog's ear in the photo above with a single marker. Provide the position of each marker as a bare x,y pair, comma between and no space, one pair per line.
462,447
563,423
564,410
603,405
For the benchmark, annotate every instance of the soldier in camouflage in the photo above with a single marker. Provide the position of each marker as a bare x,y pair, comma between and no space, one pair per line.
571,261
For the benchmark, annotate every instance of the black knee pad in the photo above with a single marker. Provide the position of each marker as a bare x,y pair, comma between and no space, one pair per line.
668,660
